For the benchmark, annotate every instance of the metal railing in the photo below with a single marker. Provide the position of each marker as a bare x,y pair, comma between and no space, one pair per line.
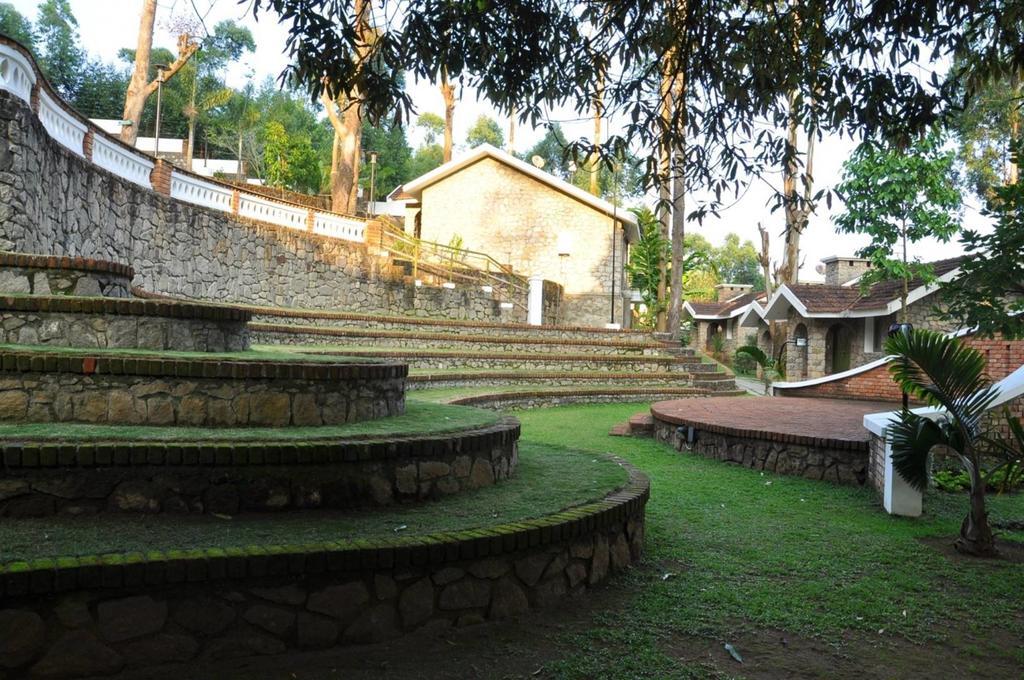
454,265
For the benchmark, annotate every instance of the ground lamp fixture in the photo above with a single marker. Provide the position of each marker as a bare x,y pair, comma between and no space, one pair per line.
798,341
905,329
160,68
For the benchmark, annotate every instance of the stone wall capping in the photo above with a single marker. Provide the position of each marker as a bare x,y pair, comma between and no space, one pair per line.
200,366
58,262
123,306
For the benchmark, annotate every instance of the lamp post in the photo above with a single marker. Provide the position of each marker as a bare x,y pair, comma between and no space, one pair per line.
615,223
905,328
373,182
159,101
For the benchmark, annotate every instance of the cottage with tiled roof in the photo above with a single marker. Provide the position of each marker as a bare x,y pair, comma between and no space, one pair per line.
834,326
716,324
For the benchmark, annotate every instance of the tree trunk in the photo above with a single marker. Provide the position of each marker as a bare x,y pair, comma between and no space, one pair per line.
675,310
765,260
238,170
448,92
595,163
975,533
790,270
664,188
190,146
1012,171
511,146
135,97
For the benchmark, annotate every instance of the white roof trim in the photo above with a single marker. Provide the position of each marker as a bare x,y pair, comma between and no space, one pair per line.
714,317
863,368
754,311
415,187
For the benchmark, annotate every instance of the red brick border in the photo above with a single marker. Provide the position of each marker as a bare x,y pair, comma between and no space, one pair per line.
84,264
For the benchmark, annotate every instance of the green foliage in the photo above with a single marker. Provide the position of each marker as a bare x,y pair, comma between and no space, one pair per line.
290,161
645,258
988,294
16,26
943,372
738,262
985,130
485,131
425,159
898,197
393,157
432,125
552,147
57,43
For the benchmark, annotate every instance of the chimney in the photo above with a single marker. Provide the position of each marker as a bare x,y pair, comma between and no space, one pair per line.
840,270
727,291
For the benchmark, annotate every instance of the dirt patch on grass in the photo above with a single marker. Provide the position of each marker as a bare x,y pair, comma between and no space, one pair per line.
1010,552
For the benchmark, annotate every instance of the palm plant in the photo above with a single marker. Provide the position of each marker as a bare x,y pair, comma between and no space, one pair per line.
944,373
765,362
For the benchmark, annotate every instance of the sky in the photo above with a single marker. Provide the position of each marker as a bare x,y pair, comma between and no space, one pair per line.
104,31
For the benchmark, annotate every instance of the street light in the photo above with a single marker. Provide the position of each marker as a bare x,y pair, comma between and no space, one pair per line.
160,68
373,181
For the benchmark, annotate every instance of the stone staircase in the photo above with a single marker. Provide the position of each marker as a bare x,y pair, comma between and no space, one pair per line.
518,363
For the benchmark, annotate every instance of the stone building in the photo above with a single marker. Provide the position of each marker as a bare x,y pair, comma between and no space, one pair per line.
716,324
540,225
832,327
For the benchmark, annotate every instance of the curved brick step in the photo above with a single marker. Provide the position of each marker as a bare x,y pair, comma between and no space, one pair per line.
360,321
77,477
194,389
447,360
293,334
425,380
22,273
540,398
338,593
113,322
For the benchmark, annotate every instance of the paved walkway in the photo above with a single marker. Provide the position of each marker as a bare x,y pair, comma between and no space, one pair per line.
793,419
752,385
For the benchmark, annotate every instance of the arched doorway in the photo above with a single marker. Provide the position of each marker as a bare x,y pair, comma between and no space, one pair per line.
837,349
713,342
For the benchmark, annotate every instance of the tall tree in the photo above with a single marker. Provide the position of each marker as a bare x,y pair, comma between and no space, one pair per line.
57,41
448,92
485,131
898,197
16,26
140,87
986,130
393,157
345,111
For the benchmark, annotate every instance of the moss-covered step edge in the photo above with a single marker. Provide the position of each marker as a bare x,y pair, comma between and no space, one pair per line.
170,309
92,454
155,568
425,321
395,353
343,332
58,262
91,362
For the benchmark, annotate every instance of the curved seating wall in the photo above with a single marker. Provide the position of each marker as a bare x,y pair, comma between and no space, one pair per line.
22,274
42,387
230,477
118,323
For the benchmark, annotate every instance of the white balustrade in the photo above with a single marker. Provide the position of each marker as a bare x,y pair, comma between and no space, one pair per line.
117,159
346,228
194,190
67,130
257,208
16,73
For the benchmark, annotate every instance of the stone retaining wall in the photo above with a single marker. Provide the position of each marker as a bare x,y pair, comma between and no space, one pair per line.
427,381
42,388
824,461
227,478
41,275
96,616
287,334
534,361
449,326
56,202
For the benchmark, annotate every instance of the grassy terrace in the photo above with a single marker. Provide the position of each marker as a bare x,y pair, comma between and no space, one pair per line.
364,350
264,353
443,393
420,418
759,557
548,479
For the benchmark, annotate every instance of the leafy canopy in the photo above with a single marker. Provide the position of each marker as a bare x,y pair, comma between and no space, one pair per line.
898,196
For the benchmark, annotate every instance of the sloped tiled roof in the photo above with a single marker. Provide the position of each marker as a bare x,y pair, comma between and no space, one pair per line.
723,309
825,299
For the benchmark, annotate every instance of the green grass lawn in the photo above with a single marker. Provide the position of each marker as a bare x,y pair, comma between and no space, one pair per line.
420,417
548,479
750,551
